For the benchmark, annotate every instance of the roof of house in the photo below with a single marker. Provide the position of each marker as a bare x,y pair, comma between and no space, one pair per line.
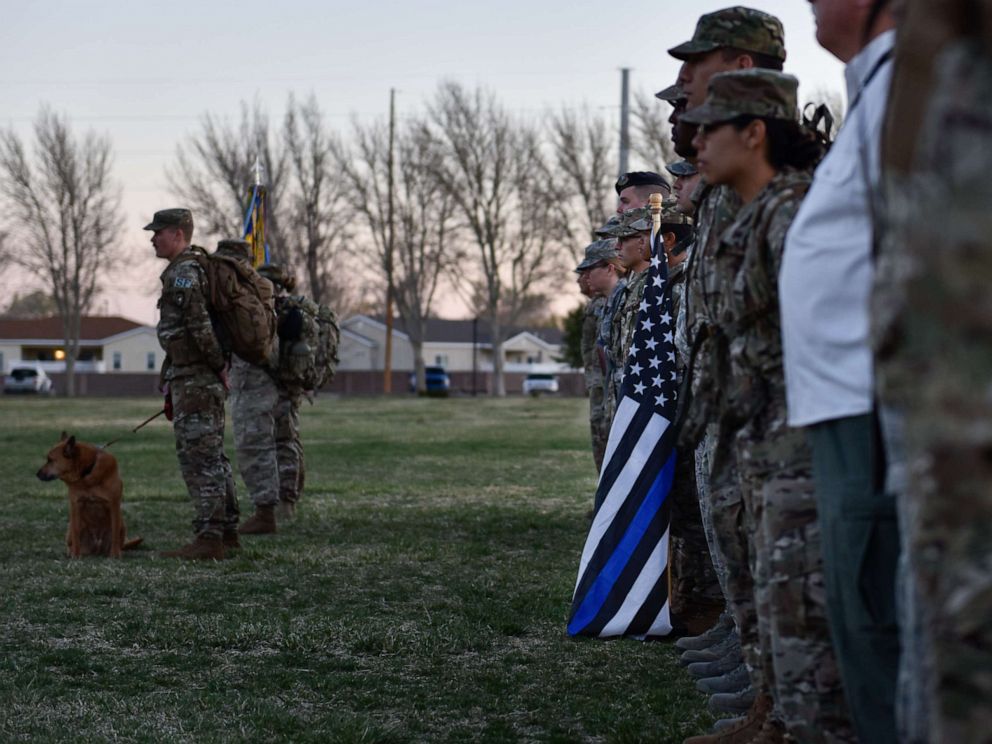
91,328
442,330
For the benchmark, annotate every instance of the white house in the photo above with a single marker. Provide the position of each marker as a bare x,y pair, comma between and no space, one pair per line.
456,345
107,344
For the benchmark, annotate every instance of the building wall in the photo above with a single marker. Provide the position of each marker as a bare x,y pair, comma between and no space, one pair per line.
10,353
134,353
356,355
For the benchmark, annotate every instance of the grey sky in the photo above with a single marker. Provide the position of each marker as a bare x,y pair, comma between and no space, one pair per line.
144,72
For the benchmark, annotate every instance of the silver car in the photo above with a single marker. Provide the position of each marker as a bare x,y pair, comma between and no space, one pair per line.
25,379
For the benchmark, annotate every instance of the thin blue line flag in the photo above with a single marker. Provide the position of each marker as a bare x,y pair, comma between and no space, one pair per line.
623,584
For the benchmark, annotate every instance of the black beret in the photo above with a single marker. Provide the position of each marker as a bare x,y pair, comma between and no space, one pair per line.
641,178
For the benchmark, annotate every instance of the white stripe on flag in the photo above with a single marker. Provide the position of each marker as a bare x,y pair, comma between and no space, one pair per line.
622,485
621,420
639,591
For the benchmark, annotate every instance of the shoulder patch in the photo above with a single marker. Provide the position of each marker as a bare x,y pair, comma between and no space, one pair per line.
182,282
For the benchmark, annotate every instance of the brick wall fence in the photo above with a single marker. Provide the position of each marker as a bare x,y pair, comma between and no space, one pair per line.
93,384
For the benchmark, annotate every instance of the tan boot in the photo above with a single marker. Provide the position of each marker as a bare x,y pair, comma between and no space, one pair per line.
285,510
772,732
262,522
203,548
742,732
231,541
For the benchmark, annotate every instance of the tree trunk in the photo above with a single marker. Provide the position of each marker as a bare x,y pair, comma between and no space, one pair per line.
418,366
496,331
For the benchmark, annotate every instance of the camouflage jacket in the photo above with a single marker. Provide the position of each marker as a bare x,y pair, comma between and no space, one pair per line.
613,304
746,267
185,330
625,321
718,207
590,351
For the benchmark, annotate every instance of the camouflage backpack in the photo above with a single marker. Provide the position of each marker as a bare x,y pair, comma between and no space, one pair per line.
308,348
241,302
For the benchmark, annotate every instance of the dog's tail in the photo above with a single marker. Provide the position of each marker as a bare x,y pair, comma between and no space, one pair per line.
132,543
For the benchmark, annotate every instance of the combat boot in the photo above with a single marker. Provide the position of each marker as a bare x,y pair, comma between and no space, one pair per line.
285,510
703,669
732,702
712,653
733,681
203,548
231,541
772,732
742,731
712,636
262,522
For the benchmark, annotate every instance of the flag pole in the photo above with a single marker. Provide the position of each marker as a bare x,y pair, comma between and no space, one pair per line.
655,203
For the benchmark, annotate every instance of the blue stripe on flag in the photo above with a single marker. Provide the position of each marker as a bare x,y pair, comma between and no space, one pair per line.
600,590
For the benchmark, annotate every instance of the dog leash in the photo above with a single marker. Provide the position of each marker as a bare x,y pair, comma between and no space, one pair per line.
135,429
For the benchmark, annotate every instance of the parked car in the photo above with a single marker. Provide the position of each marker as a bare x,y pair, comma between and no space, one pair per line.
436,381
24,379
537,383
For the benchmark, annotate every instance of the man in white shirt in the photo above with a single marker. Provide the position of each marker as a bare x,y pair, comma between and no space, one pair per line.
825,285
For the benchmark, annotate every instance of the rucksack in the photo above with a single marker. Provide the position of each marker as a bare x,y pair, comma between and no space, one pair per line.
242,303
308,343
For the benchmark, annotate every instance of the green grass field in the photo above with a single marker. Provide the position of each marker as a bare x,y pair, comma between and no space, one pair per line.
420,595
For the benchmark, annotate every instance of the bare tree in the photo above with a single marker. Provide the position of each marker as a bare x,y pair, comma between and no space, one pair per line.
493,169
317,232
651,140
64,210
581,149
423,218
214,174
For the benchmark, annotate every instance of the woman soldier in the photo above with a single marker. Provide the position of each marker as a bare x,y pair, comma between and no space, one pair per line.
750,139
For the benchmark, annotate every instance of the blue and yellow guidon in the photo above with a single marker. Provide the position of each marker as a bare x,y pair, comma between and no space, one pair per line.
254,227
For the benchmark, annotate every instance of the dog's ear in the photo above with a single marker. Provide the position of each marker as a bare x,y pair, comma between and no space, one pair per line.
70,448
63,436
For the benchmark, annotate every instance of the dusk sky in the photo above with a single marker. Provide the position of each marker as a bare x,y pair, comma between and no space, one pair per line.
144,73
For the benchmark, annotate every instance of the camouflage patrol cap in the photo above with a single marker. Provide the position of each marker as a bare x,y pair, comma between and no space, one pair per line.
641,178
278,275
631,222
235,248
755,92
738,27
170,218
596,253
609,228
669,216
672,94
681,169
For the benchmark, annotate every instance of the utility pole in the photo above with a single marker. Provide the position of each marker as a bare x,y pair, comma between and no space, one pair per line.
387,372
624,120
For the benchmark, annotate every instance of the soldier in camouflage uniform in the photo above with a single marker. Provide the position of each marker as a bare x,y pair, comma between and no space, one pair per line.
195,375
725,40
634,189
289,445
254,397
592,362
774,461
932,329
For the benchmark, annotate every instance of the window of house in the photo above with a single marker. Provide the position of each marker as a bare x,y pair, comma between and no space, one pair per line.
150,362
1,362
117,360
441,360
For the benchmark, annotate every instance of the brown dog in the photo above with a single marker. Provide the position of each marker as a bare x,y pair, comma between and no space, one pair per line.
96,525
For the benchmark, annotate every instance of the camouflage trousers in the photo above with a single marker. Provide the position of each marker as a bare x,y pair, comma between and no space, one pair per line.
796,653
694,582
198,423
289,447
599,424
254,397
732,531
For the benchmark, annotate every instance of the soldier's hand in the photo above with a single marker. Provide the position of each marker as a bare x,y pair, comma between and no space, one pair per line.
167,407
223,377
